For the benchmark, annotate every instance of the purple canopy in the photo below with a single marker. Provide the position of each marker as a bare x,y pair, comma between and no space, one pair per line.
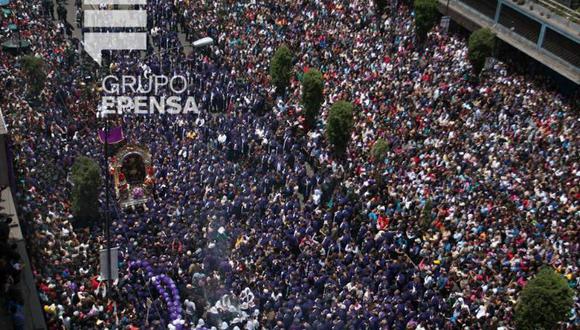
115,135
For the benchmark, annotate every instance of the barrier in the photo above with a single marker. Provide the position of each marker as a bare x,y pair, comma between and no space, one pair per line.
561,10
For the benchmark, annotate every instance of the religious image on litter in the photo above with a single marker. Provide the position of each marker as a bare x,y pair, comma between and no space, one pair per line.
133,174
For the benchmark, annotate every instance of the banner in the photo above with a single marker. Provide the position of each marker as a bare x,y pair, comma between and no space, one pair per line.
445,20
114,264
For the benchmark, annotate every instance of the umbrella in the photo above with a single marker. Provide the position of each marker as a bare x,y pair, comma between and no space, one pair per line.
16,44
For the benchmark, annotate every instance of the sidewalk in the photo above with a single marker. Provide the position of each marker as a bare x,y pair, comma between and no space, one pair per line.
34,319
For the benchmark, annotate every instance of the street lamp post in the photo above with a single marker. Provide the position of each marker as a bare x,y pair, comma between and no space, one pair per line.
107,197
203,42
107,201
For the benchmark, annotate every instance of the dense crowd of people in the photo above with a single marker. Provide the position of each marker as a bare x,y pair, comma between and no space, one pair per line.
256,221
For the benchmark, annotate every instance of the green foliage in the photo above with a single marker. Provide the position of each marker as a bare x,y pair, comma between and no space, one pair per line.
312,95
380,149
381,5
281,68
426,15
339,125
35,71
544,302
86,177
426,215
481,44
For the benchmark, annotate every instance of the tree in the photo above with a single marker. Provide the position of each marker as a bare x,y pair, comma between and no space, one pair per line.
35,71
381,5
426,215
86,177
544,302
480,45
339,125
380,149
312,95
281,68
426,15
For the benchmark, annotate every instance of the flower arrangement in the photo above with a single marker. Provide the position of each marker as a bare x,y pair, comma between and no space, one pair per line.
150,179
150,171
138,193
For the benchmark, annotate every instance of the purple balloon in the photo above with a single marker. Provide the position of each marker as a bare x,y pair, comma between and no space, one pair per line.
165,286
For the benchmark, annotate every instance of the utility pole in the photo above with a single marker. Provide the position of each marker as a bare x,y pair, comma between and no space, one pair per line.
107,202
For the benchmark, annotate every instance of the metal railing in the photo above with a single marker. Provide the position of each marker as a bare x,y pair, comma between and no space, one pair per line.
560,10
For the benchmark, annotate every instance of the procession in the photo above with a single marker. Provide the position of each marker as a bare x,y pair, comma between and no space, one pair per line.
239,213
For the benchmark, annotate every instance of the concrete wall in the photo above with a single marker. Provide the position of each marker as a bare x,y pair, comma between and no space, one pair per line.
3,162
33,315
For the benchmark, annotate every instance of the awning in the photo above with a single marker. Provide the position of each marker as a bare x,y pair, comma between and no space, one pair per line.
15,44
